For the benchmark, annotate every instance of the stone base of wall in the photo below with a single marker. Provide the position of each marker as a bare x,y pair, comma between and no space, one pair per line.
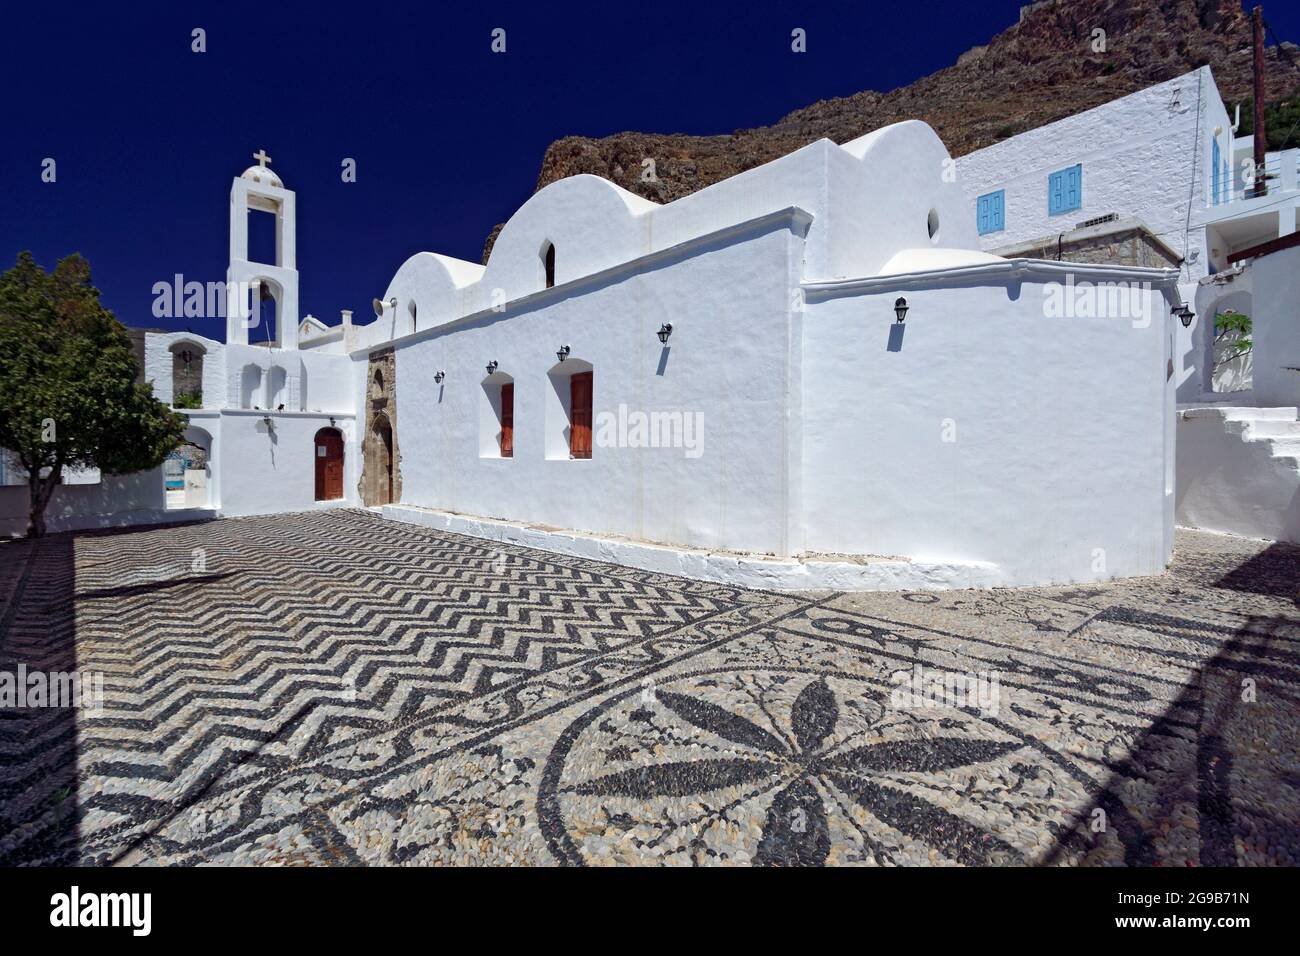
751,571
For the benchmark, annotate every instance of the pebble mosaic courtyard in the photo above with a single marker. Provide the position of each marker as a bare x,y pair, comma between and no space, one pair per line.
332,688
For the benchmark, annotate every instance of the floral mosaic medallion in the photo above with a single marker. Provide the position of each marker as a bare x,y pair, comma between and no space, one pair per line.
778,767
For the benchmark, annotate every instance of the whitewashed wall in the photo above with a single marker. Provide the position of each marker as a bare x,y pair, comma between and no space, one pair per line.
727,359
267,471
1061,432
114,501
1276,327
1146,155
158,366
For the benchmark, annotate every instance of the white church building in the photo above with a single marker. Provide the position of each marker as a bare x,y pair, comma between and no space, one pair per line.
808,375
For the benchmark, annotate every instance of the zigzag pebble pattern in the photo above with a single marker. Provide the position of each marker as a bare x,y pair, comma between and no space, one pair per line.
235,649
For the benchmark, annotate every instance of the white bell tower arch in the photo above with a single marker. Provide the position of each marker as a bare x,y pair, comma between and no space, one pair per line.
259,188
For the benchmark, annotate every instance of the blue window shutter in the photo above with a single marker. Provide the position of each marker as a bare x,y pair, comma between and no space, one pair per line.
988,212
1065,190
1217,162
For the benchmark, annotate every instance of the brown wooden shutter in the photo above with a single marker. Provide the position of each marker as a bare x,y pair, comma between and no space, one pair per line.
580,415
508,420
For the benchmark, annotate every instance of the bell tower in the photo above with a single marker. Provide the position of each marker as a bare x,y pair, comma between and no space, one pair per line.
258,289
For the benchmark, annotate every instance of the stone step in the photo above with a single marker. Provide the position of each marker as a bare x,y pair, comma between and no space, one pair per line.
1286,448
1267,428
1281,414
1236,413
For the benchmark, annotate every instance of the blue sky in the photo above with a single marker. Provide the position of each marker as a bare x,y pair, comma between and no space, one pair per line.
448,138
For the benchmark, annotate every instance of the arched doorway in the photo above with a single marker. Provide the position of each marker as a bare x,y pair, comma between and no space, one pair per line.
186,471
379,461
329,464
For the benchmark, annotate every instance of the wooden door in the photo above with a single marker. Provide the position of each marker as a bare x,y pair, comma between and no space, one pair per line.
329,465
508,420
580,415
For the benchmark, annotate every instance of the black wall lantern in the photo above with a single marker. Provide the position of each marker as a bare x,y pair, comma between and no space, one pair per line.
900,308
665,330
492,367
562,352
1185,315
439,375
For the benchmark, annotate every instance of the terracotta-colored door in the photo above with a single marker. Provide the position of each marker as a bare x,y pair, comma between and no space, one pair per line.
580,415
329,465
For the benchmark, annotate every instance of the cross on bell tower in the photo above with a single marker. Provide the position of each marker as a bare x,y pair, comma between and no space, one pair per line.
259,190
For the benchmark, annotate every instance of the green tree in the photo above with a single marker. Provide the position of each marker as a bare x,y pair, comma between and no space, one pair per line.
1231,336
69,394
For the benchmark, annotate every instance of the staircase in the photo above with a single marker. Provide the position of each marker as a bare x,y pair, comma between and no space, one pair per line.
1238,471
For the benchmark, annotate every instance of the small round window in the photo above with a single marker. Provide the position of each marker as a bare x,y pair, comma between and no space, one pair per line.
932,224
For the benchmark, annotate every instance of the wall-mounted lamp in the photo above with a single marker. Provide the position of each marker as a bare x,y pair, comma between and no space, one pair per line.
492,367
439,375
562,352
1185,315
269,424
331,421
378,305
665,331
900,308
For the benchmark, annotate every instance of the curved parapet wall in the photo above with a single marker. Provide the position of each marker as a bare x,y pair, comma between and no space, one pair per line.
870,200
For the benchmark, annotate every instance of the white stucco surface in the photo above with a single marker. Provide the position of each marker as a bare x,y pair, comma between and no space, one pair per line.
1144,156
1239,471
1276,327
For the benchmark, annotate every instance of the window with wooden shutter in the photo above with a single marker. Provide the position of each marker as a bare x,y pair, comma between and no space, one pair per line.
508,420
580,415
989,216
1065,190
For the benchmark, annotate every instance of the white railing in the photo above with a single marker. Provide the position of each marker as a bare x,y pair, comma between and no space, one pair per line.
1281,171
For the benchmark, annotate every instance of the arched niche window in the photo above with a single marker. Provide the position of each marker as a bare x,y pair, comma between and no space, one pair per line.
377,385
548,263
278,381
410,308
569,410
250,386
187,375
497,417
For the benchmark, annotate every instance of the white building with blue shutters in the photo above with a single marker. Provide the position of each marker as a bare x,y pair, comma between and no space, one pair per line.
1165,158
1160,172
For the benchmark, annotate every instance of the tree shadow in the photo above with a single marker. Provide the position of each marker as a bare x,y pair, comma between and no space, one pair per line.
38,745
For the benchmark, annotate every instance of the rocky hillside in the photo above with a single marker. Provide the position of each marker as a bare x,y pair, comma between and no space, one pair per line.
1040,70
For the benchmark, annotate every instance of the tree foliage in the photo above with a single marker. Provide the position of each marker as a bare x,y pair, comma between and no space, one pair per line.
69,389
1232,339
